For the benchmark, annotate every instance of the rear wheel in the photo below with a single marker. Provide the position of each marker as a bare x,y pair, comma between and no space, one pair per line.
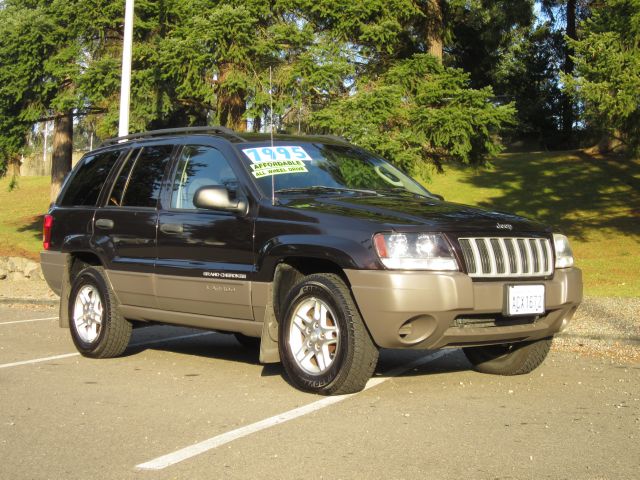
509,358
324,345
97,328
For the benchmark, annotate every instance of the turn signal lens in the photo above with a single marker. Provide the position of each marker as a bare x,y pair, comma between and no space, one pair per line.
564,255
46,231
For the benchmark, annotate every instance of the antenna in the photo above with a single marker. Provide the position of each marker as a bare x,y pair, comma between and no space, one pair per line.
273,178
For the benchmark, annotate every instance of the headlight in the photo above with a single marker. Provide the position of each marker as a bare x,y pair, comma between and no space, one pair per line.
414,251
564,255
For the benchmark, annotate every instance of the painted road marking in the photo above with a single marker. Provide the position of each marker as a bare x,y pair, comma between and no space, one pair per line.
75,354
31,320
181,455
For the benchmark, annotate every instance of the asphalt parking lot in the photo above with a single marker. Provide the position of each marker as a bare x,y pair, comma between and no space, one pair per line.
184,403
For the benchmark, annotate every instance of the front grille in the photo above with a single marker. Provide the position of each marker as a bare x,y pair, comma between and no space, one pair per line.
498,257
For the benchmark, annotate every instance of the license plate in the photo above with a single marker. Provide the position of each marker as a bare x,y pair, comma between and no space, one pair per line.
525,299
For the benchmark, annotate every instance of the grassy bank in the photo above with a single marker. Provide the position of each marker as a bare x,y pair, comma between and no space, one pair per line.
594,200
21,212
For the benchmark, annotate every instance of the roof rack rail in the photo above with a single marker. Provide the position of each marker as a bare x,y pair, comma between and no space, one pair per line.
171,131
333,137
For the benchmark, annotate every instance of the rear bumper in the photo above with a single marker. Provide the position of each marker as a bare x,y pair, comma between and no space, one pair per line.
425,309
53,266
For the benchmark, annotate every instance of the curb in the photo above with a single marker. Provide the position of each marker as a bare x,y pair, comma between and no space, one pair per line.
28,301
601,337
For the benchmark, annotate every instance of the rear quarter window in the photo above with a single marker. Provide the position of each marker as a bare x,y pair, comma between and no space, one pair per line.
86,184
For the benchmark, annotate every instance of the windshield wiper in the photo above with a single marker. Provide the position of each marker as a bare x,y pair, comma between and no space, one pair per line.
323,189
404,191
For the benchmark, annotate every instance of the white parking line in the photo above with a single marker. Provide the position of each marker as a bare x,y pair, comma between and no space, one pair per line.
30,320
178,456
75,354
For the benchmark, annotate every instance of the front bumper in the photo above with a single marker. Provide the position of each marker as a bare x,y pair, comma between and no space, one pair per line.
427,310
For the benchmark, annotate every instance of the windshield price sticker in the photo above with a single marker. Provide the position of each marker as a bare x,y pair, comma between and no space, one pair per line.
270,154
267,168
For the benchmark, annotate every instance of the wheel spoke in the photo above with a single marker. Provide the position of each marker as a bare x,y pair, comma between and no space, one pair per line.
302,353
326,353
317,309
299,322
84,297
322,361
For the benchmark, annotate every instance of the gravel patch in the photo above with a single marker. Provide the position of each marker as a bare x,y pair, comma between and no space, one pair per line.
606,327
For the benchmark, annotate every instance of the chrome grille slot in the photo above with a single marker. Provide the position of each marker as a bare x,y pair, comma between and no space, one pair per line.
498,257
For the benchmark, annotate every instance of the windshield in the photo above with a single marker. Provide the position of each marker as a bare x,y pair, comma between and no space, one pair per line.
299,168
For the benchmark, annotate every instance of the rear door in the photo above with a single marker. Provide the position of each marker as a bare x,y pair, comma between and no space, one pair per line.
204,257
125,228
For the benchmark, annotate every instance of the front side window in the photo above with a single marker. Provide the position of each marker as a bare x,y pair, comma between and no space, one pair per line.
140,179
199,167
85,186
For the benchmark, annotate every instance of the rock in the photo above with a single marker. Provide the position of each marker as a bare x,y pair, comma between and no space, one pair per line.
3,273
15,276
16,264
32,270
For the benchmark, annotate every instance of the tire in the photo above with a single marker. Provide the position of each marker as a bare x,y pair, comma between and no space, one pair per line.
324,345
509,358
97,328
252,343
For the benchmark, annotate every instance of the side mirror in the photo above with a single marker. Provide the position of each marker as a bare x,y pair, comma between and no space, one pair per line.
439,197
216,197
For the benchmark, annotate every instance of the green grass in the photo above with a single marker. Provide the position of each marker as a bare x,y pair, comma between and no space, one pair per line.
594,200
21,212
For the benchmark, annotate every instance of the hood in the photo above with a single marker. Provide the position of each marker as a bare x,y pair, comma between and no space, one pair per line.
400,211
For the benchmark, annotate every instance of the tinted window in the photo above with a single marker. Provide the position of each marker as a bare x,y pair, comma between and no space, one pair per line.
198,167
142,186
87,182
121,182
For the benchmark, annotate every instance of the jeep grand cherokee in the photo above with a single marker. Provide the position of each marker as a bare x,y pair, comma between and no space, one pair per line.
318,250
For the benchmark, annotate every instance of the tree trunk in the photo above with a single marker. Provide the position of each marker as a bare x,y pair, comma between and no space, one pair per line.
13,166
62,151
435,29
257,124
231,104
568,67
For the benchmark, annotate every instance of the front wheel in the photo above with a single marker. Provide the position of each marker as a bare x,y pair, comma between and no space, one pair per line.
509,358
97,328
324,345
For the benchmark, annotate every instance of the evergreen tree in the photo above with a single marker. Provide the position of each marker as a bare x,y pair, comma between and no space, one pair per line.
420,113
607,80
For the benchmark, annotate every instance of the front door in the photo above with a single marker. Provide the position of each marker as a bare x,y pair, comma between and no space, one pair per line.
205,258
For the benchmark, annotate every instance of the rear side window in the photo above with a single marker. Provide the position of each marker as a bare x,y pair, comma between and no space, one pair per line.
140,179
85,186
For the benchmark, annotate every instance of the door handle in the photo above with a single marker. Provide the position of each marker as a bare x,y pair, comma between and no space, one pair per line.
104,224
171,228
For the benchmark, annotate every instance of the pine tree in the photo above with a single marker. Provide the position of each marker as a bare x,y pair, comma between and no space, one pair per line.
607,80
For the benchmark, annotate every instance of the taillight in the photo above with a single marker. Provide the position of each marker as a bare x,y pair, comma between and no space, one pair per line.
46,231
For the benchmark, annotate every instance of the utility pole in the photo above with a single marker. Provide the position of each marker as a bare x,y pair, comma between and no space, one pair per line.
125,87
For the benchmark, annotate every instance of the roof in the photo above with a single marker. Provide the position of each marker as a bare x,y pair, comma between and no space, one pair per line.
230,135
